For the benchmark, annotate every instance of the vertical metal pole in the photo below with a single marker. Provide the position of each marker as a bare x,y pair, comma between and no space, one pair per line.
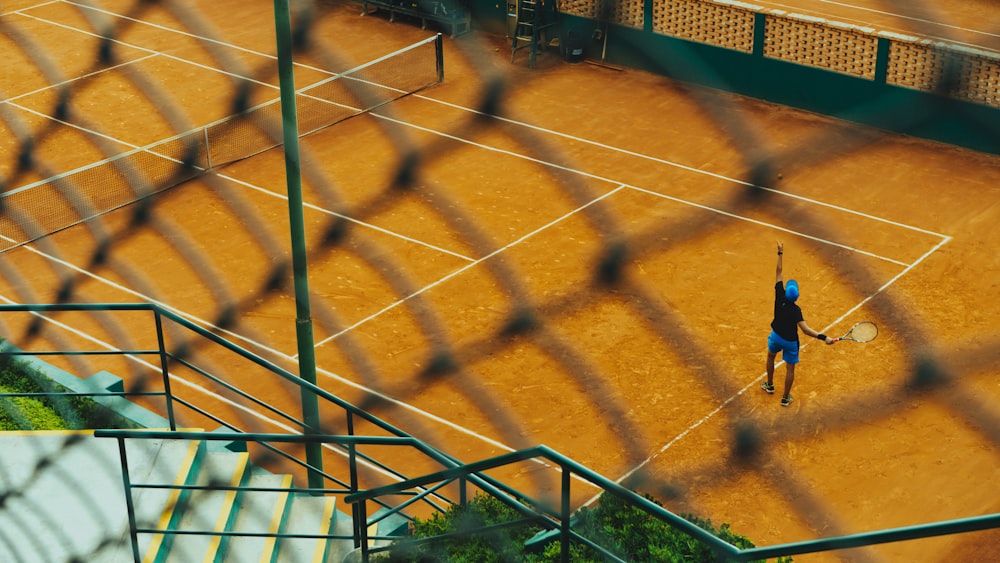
359,522
362,519
165,370
564,527
129,504
293,178
208,149
439,57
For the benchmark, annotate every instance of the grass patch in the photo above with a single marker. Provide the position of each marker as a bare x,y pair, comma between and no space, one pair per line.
48,412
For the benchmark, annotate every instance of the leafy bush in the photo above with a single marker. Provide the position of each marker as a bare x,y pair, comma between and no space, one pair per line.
466,546
632,534
623,529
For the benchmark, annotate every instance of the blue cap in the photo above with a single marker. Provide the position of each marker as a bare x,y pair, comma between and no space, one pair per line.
792,290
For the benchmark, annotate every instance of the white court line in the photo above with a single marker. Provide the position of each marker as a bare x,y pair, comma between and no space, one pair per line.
650,158
157,53
72,80
772,226
471,265
284,197
676,199
23,8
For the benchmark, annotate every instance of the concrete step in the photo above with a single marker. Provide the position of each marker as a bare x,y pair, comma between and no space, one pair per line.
70,485
307,514
157,462
393,525
65,498
343,525
258,512
203,510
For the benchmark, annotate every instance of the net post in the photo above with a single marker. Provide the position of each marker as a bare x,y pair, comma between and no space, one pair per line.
208,149
439,56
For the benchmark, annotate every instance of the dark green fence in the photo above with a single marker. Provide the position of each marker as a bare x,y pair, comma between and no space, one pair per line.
903,84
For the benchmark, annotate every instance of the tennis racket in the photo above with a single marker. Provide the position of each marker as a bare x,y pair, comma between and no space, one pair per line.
864,331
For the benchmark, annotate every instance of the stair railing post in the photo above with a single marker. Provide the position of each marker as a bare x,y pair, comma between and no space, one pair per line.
362,521
164,369
129,503
564,529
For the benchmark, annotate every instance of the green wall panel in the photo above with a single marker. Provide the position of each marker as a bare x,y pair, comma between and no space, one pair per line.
848,97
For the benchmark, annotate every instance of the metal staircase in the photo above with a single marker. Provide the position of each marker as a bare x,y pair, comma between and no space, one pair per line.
191,501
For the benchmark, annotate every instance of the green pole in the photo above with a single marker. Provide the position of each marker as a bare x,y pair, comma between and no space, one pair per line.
293,178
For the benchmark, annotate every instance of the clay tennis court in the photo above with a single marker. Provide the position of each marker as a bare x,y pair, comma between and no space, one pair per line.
647,380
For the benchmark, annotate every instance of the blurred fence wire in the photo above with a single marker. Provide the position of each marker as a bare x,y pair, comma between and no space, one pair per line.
116,181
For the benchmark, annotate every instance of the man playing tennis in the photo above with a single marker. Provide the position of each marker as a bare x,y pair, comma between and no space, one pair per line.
784,336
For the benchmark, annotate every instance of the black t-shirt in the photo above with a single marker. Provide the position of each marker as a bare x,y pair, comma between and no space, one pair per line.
786,315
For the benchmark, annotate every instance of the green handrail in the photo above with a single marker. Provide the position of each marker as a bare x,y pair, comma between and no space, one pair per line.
569,467
729,551
555,519
215,339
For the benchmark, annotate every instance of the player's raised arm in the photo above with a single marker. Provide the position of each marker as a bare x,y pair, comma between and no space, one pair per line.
780,252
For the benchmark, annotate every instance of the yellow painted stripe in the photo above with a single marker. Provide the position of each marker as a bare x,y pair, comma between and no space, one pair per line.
172,501
279,508
227,506
372,531
45,432
89,431
331,504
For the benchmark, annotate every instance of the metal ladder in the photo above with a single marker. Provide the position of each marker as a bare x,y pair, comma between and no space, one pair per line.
529,28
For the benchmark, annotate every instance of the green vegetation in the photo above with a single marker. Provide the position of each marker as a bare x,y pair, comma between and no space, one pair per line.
41,412
27,413
502,544
623,529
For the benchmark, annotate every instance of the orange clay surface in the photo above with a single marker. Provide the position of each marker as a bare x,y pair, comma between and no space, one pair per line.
910,222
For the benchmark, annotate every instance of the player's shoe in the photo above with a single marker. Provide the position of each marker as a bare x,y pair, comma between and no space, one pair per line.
785,401
769,387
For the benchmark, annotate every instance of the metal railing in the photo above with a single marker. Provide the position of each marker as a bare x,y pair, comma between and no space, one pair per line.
560,519
555,515
350,443
182,357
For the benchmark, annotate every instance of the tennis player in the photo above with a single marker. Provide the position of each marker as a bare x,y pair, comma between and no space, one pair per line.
784,336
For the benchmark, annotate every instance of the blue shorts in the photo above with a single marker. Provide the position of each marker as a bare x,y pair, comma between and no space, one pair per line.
789,348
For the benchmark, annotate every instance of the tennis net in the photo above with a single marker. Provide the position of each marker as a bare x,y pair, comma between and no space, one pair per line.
60,201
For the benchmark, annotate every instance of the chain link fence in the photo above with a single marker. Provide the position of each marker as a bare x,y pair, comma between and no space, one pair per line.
138,165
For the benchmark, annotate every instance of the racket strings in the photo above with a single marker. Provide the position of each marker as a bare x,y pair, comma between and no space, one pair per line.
864,331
